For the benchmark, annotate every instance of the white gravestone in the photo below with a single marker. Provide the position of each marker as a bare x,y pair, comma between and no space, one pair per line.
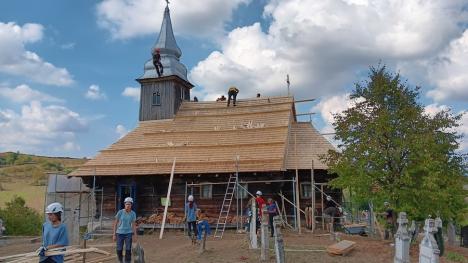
428,249
402,240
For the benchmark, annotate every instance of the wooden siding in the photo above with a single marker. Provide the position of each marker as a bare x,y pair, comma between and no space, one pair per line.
170,90
150,190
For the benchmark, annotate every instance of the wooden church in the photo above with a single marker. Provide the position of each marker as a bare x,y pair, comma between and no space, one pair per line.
260,140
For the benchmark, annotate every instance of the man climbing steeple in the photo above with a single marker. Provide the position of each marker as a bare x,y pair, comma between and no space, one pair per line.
157,61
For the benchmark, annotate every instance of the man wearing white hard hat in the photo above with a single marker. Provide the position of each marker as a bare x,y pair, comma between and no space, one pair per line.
191,217
54,234
125,230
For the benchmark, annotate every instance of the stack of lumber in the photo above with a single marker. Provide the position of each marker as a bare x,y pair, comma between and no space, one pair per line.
341,248
71,254
173,218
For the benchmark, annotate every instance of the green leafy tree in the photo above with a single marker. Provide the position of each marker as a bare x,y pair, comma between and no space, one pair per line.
20,219
11,157
390,149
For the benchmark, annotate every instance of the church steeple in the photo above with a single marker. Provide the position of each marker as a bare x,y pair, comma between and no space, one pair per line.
166,40
161,96
170,52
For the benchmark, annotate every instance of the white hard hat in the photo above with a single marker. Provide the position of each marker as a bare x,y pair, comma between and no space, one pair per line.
329,198
190,198
258,192
386,203
54,208
128,200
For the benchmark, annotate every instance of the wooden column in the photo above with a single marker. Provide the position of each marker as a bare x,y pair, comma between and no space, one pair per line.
264,236
312,185
253,226
323,220
167,200
279,243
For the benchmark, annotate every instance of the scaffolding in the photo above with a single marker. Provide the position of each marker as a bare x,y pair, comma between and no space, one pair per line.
79,204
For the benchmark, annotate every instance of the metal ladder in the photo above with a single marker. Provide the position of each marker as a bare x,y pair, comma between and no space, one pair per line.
223,214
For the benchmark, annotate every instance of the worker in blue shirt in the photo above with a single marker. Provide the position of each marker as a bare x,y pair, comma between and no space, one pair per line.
272,212
125,230
54,234
191,216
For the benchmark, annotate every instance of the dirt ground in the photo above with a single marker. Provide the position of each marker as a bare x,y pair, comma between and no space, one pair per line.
233,248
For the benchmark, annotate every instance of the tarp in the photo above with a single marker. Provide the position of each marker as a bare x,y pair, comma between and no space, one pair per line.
59,183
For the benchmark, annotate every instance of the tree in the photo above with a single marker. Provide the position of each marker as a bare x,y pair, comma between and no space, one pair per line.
390,149
20,219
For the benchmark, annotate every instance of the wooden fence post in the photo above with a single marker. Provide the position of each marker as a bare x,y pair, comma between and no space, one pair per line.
264,235
253,226
279,244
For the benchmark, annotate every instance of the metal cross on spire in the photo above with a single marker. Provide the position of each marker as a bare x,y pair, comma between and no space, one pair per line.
167,2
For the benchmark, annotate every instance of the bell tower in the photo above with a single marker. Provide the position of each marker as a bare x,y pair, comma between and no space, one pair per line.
161,97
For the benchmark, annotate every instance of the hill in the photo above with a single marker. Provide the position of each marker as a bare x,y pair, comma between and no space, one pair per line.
25,175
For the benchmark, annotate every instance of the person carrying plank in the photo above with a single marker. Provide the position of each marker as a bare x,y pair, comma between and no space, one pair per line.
54,234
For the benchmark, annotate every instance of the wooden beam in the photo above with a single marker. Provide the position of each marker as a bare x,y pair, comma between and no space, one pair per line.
305,100
312,194
298,218
287,200
305,114
167,200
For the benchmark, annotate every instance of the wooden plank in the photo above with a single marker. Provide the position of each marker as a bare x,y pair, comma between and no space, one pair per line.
341,248
167,200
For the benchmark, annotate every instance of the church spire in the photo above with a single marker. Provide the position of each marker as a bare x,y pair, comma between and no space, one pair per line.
166,40
169,50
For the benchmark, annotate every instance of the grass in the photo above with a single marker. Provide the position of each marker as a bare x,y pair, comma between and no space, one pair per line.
33,195
455,257
26,176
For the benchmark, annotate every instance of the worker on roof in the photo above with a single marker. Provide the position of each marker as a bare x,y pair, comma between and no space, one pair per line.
157,61
125,230
232,93
258,95
191,217
54,234
222,98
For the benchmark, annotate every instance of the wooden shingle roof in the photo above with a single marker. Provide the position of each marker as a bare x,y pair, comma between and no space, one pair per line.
205,137
306,144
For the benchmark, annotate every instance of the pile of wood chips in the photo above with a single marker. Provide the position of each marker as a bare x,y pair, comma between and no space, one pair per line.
173,218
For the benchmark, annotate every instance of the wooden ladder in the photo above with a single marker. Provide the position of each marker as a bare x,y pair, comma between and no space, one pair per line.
223,214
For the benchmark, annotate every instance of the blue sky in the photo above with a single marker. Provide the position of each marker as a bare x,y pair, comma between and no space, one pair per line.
68,68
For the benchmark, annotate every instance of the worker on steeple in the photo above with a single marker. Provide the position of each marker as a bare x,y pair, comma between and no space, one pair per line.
157,61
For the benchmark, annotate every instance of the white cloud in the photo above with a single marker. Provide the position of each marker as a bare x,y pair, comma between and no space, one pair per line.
23,93
69,147
69,45
324,44
434,108
16,60
448,72
39,127
132,92
126,19
95,93
463,129
333,105
121,130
